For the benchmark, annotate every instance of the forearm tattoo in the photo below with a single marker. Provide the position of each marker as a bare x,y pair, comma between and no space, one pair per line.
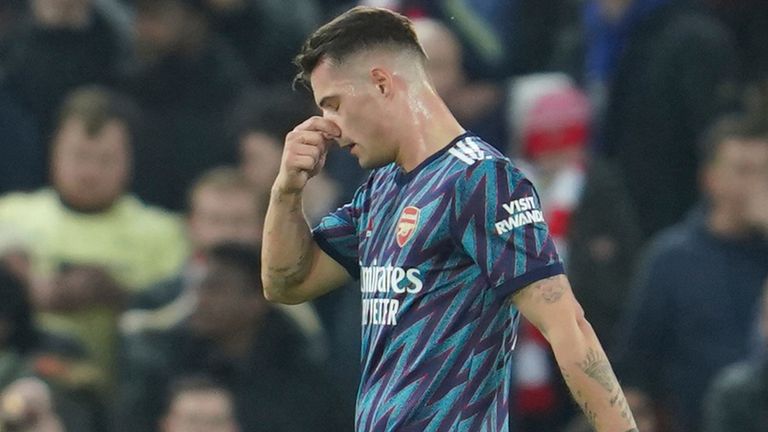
290,274
596,366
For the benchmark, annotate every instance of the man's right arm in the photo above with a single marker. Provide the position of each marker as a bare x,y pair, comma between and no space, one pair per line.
293,267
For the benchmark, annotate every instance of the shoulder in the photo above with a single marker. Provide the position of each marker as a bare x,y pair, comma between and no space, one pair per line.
42,201
156,227
488,167
686,236
470,150
150,217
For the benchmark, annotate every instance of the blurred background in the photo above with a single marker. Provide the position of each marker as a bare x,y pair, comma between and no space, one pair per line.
138,144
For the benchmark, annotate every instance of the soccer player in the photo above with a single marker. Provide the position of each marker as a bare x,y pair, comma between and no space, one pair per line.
446,237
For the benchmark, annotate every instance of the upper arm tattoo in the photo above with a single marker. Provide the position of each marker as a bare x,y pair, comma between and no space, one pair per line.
551,292
547,290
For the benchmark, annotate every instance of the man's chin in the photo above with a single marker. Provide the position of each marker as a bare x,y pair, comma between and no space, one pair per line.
88,205
369,165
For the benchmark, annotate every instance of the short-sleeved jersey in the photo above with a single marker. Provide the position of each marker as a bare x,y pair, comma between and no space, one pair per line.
438,251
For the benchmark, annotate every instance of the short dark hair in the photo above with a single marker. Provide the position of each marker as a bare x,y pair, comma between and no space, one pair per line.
736,126
357,29
242,257
222,178
96,106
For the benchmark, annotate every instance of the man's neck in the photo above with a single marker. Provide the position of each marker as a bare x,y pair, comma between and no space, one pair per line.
432,126
92,210
724,224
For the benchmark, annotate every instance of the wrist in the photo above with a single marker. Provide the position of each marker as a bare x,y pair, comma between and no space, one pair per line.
286,196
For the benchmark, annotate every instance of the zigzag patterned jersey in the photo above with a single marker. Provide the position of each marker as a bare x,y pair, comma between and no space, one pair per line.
438,251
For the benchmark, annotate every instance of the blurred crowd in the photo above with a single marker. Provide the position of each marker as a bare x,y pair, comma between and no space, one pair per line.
139,140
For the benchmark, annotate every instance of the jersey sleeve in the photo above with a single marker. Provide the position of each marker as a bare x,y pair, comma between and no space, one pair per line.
337,234
498,222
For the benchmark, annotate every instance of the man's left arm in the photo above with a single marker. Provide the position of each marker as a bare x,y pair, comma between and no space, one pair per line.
551,306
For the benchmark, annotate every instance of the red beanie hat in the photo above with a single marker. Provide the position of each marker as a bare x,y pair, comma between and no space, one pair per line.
556,121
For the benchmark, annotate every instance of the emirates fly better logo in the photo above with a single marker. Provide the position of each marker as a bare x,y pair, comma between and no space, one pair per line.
406,225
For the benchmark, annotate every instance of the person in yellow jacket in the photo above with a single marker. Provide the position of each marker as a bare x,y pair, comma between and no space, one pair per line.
90,242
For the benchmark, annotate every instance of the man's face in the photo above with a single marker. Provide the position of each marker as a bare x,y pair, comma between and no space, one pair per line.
738,167
349,97
227,303
224,215
200,411
91,172
159,28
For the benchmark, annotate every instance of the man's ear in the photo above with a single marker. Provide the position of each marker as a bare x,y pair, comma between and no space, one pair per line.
382,80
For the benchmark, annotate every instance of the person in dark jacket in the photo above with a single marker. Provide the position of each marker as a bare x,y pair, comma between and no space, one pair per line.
738,397
658,73
59,46
241,341
186,81
691,311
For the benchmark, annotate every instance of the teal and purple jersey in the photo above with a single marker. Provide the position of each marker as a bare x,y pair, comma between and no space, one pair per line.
438,251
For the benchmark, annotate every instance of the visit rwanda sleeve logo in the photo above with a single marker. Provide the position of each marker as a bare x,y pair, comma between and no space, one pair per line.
520,212
406,225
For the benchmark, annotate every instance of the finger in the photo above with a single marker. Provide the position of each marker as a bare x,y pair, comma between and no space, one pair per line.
320,124
315,152
304,163
310,139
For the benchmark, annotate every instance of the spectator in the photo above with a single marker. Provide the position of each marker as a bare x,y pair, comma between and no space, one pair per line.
738,397
693,302
585,202
589,218
658,72
186,81
478,105
222,208
243,342
63,45
198,404
91,243
28,356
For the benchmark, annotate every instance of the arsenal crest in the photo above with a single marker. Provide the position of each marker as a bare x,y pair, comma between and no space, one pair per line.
406,225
